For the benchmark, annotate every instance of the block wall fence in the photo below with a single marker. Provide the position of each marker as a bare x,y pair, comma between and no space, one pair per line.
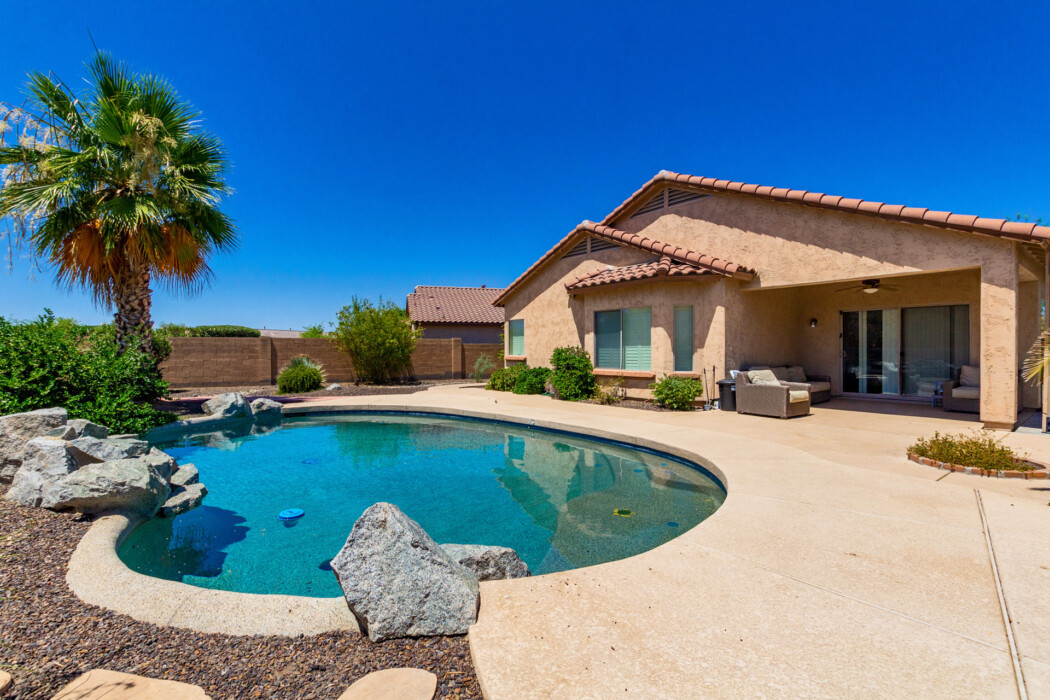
242,361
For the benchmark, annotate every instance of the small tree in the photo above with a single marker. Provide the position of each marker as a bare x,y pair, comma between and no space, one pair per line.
316,331
378,338
482,366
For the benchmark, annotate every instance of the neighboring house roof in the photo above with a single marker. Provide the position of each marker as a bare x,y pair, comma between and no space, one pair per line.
633,240
273,333
1018,230
454,305
664,267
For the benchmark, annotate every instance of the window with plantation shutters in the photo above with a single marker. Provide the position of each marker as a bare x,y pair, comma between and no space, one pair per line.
516,337
622,339
683,339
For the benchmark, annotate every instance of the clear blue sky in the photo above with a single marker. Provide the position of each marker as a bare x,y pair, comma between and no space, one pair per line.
377,146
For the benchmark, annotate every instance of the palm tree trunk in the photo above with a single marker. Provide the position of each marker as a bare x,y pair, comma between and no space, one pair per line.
132,319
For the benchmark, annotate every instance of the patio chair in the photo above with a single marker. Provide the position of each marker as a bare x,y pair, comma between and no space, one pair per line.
760,393
963,393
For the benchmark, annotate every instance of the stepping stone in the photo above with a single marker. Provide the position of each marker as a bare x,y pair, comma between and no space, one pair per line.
5,682
111,685
393,684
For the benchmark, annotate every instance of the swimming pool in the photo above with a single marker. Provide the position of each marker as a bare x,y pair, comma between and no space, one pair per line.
560,500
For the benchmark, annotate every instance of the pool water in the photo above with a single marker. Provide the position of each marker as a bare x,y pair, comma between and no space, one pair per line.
561,501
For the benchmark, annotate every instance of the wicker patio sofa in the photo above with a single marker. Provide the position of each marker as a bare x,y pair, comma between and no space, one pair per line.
760,393
819,384
963,393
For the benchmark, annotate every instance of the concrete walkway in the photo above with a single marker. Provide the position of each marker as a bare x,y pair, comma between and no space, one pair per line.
835,568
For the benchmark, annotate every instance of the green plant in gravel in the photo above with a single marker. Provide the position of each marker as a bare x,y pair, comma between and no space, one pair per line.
300,375
224,332
677,393
378,338
532,380
482,366
573,374
610,392
48,362
977,449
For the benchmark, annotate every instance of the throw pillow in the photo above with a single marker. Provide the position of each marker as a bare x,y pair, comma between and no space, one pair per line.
796,374
763,377
970,376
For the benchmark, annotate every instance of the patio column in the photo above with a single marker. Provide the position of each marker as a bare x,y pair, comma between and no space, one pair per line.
999,349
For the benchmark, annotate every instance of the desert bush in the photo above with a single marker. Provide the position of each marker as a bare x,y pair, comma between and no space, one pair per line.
505,378
610,392
531,380
573,374
300,375
978,449
224,332
378,338
315,331
50,362
676,393
482,366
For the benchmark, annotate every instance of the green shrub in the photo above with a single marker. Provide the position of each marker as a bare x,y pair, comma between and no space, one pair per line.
676,393
315,331
482,366
532,380
49,362
573,374
610,392
978,449
505,378
224,332
173,330
378,338
300,375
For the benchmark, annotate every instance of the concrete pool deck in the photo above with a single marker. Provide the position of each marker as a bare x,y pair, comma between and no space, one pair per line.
836,567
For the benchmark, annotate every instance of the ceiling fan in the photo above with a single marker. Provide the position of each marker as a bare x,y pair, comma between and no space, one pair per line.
868,287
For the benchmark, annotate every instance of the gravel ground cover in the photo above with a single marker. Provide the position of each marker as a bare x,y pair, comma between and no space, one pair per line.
48,636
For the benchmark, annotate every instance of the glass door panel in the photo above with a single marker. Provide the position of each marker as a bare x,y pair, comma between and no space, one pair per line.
934,344
870,342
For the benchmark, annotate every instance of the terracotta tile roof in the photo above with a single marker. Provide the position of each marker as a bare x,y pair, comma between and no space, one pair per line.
1017,230
633,240
454,305
664,267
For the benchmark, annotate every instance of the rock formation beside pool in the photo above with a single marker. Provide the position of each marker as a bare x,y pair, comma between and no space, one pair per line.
266,409
183,499
184,475
399,582
127,484
45,462
488,563
17,429
229,405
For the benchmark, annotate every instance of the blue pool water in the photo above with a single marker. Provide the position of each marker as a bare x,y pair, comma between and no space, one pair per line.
561,501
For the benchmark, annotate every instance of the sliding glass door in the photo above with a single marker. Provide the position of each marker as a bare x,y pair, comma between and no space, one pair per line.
903,352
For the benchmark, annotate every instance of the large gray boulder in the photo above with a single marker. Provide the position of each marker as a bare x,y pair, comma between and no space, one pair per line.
230,405
488,563
266,409
399,582
185,475
17,429
45,462
89,450
164,463
86,428
182,499
66,432
131,484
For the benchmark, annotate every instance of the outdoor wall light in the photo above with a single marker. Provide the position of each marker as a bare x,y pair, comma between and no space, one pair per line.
812,323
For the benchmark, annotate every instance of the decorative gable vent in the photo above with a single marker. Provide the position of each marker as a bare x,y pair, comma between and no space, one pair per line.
601,244
578,249
669,198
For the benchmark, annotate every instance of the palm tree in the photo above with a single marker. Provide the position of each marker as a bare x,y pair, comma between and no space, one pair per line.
116,188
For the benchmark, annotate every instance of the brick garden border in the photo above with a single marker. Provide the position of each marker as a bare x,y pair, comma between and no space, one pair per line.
1002,473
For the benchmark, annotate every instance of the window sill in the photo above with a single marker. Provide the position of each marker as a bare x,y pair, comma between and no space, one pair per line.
515,358
625,373
686,375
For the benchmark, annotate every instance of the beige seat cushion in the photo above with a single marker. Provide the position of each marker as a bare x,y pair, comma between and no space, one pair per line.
970,376
819,386
763,377
780,373
966,392
798,396
796,374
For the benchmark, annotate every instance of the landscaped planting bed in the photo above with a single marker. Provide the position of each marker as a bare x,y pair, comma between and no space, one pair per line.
48,636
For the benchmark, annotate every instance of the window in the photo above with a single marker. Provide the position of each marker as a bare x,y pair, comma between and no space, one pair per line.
516,337
683,339
622,339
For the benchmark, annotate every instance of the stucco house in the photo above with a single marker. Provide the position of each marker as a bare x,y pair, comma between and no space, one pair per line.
466,313
887,300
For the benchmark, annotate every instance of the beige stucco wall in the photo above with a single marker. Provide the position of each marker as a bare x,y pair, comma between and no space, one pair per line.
802,254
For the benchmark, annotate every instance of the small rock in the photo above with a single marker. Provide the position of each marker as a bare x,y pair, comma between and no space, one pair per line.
398,582
124,483
183,499
333,387
89,450
164,463
45,462
16,429
125,436
86,428
185,475
393,684
266,409
229,405
488,563
66,432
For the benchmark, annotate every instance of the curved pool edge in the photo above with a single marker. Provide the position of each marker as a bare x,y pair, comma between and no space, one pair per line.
98,576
